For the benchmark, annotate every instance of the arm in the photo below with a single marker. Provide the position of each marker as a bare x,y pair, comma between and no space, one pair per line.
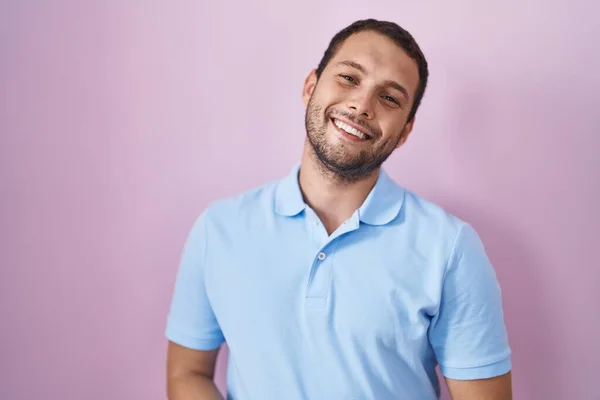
193,333
190,374
497,388
468,333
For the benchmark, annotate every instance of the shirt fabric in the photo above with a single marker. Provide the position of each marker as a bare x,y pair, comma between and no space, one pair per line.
367,312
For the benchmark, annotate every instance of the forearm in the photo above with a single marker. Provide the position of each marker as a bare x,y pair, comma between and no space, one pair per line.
192,387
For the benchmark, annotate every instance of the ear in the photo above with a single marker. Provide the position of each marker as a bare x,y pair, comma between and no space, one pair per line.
309,86
406,132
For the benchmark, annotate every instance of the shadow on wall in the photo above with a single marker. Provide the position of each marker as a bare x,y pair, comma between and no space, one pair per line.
528,320
482,142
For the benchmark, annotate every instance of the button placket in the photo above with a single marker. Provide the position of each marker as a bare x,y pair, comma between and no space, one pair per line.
319,283
315,227
320,274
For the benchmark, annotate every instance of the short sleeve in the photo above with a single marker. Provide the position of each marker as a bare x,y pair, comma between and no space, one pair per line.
468,335
191,321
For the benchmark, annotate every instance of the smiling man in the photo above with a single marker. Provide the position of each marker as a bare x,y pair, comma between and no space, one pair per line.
335,282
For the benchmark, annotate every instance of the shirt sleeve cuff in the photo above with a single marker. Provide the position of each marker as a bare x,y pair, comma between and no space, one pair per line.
191,342
483,372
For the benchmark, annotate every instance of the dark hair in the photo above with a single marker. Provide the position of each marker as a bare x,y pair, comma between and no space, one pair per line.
392,31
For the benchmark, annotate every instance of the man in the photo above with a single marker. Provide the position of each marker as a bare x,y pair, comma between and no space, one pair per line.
335,283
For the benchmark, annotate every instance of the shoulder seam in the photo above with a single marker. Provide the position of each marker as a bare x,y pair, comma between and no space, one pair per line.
451,254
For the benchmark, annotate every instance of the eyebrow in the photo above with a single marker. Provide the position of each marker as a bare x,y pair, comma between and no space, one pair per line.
390,83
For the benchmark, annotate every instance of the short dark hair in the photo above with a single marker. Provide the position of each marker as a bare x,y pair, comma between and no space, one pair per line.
393,31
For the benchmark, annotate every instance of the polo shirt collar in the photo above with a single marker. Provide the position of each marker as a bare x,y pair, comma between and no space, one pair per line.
380,207
383,203
289,200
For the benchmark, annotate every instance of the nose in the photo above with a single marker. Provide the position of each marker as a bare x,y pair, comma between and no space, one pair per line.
362,105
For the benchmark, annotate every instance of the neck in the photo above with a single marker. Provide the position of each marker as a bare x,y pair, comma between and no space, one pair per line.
332,199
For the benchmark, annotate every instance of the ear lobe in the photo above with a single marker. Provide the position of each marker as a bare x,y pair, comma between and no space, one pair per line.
309,86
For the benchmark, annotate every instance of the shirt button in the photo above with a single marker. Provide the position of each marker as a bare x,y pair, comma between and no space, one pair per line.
322,256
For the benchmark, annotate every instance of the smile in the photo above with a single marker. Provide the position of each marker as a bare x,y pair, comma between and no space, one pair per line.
351,131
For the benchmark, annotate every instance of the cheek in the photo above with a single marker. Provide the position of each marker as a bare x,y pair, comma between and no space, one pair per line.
330,95
392,131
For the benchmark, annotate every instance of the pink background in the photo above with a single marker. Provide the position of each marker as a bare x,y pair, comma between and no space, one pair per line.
120,121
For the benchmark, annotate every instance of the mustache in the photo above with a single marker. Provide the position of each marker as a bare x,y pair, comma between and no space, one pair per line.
374,132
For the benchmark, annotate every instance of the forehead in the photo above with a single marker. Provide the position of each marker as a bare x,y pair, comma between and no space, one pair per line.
381,56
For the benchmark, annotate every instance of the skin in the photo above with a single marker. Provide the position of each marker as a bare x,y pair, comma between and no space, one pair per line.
370,83
190,374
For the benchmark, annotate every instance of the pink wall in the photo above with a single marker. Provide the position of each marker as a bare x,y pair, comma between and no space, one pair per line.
120,120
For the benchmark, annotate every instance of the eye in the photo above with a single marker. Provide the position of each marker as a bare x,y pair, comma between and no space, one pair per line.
390,99
348,78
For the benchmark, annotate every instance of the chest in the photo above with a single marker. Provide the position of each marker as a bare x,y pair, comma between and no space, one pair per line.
360,288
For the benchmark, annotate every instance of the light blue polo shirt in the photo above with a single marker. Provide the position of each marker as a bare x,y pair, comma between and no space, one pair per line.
365,313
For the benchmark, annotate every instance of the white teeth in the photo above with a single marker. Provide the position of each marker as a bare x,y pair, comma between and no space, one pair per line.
349,129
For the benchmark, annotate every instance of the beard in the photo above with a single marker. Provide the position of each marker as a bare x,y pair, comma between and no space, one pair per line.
342,161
